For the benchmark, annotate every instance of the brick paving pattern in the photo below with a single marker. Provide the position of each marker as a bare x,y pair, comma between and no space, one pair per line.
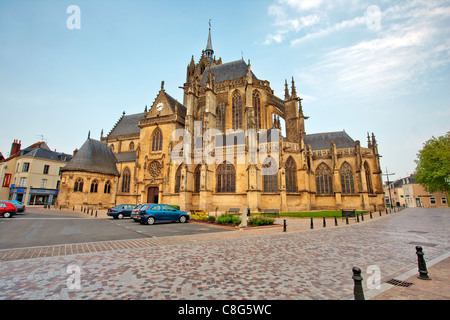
259,264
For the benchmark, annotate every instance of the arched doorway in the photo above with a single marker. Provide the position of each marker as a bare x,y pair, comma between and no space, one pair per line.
152,194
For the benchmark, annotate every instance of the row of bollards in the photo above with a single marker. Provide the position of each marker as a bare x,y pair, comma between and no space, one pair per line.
358,292
358,217
92,211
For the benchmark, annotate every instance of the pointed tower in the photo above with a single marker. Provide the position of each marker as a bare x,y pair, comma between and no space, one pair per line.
209,52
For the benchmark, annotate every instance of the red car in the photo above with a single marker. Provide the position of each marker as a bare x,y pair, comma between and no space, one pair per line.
7,210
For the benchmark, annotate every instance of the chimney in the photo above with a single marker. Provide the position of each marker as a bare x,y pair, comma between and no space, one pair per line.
75,151
15,147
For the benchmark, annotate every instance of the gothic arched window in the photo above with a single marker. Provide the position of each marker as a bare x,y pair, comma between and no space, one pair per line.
237,111
178,179
368,178
157,140
126,178
257,108
197,179
220,117
347,183
324,180
131,148
290,172
78,187
107,187
94,186
226,178
270,177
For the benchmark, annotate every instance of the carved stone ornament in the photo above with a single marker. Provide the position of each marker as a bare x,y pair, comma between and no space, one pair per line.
154,168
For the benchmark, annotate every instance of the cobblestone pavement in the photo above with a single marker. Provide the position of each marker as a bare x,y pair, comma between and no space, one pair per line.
261,264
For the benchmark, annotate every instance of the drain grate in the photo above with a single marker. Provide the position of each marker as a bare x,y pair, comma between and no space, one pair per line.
399,283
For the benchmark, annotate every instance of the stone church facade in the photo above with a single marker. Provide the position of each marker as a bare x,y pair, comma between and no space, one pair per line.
222,148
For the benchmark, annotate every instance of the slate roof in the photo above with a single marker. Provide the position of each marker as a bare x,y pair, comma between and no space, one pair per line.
128,124
126,156
320,141
47,154
227,71
94,156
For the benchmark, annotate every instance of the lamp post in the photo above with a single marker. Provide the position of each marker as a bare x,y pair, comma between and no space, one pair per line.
389,185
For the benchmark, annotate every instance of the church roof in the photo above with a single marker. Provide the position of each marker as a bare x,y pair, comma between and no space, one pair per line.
94,156
128,124
320,141
227,71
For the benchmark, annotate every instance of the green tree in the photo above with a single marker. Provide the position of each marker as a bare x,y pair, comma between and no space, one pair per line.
433,165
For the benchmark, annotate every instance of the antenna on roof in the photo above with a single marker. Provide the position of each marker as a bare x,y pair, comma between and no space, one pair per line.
41,138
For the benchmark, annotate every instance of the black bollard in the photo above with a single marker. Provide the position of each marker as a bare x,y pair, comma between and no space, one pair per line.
96,213
284,225
312,224
346,220
357,217
324,222
380,213
73,209
371,215
357,289
362,216
335,221
92,210
423,272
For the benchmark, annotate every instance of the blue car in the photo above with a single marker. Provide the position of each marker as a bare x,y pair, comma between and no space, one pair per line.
149,214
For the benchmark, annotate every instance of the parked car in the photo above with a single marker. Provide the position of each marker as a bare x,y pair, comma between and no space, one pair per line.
7,209
151,213
19,205
135,212
120,211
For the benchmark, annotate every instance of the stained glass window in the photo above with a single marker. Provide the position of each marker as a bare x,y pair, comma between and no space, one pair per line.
178,179
94,186
290,172
237,111
197,179
220,117
257,108
324,180
226,178
78,187
347,183
157,140
126,175
270,177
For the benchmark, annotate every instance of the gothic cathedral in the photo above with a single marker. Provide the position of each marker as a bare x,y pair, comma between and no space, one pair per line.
222,148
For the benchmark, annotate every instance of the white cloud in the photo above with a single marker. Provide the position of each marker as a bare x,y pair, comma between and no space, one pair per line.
413,43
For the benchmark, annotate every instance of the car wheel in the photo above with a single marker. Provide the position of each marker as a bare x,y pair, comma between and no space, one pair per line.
7,215
150,220
120,216
183,219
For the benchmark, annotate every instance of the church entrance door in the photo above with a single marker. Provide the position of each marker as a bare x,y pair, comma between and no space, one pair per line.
152,195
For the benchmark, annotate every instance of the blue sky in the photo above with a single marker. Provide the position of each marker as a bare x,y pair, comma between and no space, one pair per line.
378,66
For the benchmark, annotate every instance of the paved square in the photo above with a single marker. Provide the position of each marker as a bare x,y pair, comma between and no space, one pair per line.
305,264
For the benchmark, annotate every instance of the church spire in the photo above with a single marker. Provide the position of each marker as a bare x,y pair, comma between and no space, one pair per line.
209,52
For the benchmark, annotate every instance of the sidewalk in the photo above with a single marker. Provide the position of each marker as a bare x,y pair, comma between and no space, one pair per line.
438,288
298,230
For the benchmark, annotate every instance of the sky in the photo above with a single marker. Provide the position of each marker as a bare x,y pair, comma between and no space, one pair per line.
381,67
